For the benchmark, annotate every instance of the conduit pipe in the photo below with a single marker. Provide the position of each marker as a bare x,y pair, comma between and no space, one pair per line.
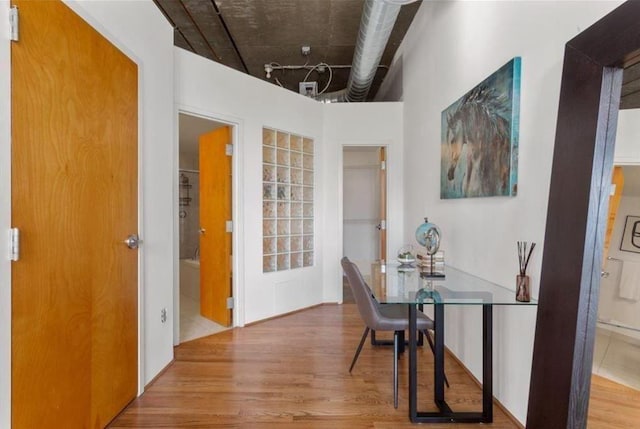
376,24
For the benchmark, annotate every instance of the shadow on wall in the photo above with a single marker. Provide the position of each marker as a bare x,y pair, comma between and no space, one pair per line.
392,91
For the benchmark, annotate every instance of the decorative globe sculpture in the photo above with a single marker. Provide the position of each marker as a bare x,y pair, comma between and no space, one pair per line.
428,235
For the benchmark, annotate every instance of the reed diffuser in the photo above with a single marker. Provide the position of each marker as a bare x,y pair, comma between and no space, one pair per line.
523,292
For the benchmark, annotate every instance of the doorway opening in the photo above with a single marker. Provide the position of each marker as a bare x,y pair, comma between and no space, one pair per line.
617,343
616,350
204,226
364,215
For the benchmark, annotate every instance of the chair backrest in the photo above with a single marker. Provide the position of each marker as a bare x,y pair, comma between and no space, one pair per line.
367,306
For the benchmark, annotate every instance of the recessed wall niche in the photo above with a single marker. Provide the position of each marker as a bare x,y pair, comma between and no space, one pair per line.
287,201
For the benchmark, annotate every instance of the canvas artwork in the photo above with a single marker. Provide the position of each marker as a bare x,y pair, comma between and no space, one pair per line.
631,235
479,138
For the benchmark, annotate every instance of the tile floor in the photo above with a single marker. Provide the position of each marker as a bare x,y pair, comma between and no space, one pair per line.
617,357
192,325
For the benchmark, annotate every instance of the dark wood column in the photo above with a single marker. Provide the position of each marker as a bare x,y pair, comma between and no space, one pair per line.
576,219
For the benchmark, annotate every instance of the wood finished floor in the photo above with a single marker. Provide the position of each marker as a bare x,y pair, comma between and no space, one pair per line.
292,372
612,405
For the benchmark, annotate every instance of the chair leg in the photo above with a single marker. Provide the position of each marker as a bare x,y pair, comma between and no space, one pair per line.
395,369
433,350
355,357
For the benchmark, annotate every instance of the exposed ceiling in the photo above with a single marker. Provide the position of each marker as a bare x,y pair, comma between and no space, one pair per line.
247,34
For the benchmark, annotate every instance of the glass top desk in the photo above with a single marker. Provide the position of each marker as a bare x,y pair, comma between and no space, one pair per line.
398,284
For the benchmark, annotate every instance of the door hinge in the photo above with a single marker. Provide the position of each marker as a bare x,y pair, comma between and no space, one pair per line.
229,226
14,244
383,225
230,303
383,165
13,24
228,150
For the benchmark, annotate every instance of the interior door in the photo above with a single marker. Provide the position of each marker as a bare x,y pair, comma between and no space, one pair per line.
617,183
74,199
215,236
383,204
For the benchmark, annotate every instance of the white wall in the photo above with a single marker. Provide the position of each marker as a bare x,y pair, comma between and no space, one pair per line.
189,161
451,47
151,47
209,89
359,124
627,151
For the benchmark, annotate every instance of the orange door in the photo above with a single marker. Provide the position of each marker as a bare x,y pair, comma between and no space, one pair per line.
383,204
74,199
215,237
617,180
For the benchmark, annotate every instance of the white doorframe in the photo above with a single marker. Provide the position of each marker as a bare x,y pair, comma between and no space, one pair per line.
238,316
5,217
366,143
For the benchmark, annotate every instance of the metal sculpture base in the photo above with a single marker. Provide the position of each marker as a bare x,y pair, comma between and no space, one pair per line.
432,265
432,275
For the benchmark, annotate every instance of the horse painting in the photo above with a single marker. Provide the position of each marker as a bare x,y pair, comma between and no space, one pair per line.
479,139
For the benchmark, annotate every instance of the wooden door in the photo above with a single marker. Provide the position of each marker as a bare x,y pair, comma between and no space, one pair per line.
617,180
74,199
215,212
383,204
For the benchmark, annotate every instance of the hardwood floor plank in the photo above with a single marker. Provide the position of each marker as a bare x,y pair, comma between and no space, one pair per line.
292,372
613,405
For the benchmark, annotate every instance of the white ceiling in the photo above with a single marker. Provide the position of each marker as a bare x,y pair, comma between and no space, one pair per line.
190,129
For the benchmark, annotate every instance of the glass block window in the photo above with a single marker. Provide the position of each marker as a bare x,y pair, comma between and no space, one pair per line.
287,201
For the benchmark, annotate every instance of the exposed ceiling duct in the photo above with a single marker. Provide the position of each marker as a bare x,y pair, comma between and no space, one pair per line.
376,24
253,36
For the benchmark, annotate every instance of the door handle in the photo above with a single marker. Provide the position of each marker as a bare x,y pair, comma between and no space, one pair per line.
379,226
202,231
133,241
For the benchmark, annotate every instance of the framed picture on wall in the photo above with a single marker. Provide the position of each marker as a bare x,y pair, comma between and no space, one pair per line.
631,235
479,138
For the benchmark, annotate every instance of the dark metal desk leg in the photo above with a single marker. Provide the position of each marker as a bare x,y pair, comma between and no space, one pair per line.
487,363
438,366
420,334
413,365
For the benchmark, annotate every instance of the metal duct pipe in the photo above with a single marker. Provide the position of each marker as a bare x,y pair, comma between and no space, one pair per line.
376,24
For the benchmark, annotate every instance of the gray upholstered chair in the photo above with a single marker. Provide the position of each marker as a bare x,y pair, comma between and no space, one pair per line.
391,317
